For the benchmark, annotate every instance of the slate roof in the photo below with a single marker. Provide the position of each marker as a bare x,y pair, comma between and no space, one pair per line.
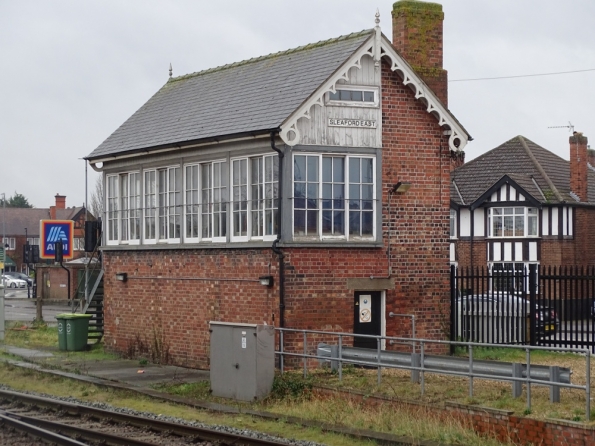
17,219
252,96
540,172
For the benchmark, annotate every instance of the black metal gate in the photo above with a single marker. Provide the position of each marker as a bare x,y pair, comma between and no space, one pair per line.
536,306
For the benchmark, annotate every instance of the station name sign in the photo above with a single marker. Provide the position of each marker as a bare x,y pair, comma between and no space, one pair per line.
357,123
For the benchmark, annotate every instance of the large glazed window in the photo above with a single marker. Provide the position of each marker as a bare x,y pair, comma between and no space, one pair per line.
130,206
325,188
214,199
123,205
255,184
150,205
512,222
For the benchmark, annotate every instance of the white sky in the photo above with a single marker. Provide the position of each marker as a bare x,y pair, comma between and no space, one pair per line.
72,71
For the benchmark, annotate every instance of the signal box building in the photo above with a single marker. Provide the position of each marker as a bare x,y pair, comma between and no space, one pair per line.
322,171
520,204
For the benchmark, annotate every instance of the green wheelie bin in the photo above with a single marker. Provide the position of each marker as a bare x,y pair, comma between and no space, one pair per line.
61,331
77,331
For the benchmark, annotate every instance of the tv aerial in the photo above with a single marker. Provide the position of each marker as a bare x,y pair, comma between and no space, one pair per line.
570,127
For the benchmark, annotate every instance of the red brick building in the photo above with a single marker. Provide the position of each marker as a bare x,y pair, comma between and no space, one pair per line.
520,204
325,168
22,225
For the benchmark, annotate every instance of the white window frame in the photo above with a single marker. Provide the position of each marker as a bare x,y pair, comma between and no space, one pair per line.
362,88
215,211
78,244
119,205
254,186
319,236
529,215
33,241
453,224
112,202
149,200
165,210
10,241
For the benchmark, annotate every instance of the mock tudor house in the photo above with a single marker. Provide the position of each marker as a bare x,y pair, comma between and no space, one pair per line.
520,204
303,189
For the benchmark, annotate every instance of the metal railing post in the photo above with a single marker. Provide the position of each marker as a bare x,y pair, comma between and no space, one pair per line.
528,379
340,358
281,353
423,376
588,384
378,353
305,356
453,308
470,371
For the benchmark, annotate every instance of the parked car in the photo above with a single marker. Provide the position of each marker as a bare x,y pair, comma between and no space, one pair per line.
21,276
13,282
502,318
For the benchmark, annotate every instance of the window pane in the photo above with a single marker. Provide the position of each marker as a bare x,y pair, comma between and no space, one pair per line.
299,168
334,96
327,169
508,226
367,171
312,168
532,225
497,226
338,170
345,95
519,226
354,170
357,96
368,96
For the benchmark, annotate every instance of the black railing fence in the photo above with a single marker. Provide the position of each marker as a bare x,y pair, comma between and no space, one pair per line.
528,305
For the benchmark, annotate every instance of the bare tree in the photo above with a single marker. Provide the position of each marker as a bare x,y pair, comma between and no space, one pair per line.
97,198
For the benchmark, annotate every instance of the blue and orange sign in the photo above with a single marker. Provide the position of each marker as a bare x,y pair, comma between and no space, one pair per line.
53,231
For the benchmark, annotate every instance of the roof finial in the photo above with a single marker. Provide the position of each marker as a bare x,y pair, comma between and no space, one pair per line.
170,70
377,39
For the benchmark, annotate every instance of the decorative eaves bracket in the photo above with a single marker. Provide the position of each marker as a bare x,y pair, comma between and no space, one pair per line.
458,137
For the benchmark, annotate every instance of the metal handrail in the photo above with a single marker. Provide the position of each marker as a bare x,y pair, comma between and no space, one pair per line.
422,369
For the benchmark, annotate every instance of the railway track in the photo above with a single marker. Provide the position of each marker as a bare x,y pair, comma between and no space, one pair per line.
27,419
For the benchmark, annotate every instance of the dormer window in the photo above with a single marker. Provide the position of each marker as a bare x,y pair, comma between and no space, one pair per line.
353,96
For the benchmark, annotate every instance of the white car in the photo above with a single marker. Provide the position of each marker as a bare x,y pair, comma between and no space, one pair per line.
12,282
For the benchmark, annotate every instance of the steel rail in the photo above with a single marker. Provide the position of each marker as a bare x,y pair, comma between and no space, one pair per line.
75,432
204,434
38,432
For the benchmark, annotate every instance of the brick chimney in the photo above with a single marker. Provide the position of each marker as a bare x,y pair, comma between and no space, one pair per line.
60,204
578,165
417,36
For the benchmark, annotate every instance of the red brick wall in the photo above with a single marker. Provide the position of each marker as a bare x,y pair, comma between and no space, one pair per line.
162,311
415,151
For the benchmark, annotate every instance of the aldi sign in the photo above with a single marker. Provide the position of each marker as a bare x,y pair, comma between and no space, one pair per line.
53,231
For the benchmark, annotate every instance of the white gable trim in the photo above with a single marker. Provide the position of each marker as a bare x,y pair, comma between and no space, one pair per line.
458,138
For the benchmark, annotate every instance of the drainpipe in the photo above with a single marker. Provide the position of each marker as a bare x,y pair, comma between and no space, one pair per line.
274,247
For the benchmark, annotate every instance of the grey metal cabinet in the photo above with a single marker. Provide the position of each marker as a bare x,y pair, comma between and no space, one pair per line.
242,360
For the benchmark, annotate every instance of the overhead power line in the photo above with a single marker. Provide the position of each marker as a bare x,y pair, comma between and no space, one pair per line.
521,75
